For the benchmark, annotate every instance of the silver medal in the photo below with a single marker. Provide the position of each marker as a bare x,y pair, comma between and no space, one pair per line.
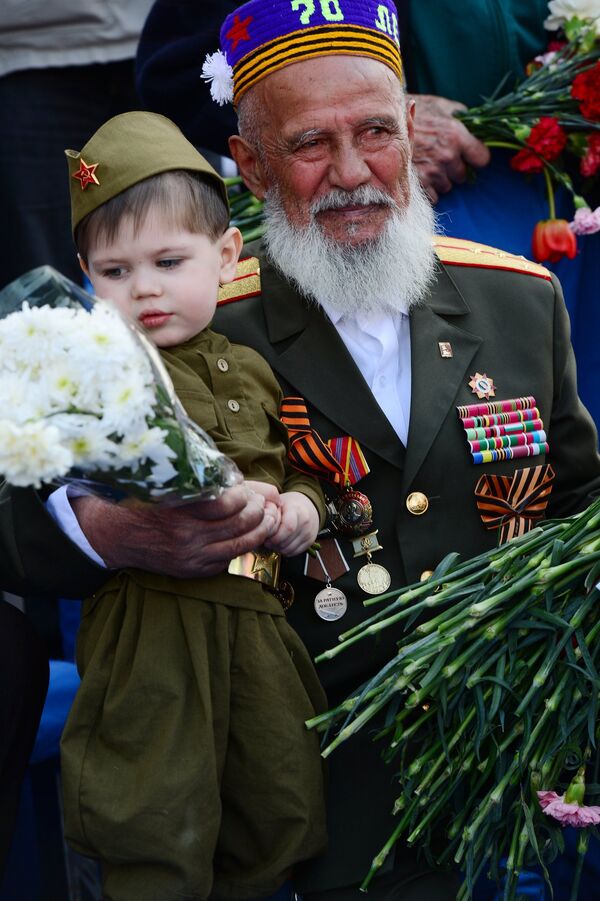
331,604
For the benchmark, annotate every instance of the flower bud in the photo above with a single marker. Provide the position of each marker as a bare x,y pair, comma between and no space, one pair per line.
552,240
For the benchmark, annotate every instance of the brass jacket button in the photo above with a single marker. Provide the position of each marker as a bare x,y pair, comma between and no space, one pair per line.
426,574
222,364
417,503
233,406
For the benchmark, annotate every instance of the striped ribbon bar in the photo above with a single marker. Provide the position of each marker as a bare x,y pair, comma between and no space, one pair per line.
507,441
514,504
339,460
504,430
511,453
511,428
496,406
476,422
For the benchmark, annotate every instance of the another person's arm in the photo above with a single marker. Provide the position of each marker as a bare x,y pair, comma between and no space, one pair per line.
443,148
192,540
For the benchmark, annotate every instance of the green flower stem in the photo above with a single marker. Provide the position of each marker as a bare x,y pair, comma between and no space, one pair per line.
582,846
550,706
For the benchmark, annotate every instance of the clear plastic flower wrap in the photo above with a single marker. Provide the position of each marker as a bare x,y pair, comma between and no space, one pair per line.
85,398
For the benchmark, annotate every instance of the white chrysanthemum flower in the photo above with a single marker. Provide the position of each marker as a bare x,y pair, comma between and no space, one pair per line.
87,440
33,332
127,401
563,10
32,454
20,401
149,444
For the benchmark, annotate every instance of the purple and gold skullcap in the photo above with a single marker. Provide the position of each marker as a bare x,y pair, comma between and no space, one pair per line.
263,36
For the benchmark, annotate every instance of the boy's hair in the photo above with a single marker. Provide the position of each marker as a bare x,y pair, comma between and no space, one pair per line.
186,200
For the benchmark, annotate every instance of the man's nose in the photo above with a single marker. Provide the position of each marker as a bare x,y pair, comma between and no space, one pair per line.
349,169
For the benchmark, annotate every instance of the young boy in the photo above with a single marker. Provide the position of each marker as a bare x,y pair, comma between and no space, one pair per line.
187,768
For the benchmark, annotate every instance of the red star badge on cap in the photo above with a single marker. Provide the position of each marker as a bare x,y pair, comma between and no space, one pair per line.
239,31
86,174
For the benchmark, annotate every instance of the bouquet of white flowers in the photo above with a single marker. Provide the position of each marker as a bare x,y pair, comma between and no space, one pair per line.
85,397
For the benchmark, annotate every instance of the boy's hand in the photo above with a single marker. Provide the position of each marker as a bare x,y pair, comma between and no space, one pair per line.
298,527
269,492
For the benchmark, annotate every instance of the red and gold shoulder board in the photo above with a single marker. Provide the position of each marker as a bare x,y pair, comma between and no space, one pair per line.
457,252
245,284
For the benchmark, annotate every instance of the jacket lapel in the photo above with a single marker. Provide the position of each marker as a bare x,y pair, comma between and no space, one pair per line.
436,380
308,352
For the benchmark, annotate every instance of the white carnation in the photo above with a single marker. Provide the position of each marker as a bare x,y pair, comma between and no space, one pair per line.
563,10
32,453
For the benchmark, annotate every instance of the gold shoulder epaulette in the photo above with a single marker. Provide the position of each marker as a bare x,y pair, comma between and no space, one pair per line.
245,284
457,252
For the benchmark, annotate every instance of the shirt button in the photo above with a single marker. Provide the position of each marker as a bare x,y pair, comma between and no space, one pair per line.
382,381
417,503
233,406
222,364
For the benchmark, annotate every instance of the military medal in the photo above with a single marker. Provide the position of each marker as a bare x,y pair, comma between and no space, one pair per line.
372,577
330,603
352,513
482,385
341,462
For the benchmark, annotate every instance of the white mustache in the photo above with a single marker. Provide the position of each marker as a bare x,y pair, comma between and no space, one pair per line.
366,195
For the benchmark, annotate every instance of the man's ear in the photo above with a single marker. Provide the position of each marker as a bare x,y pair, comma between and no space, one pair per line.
249,165
230,247
410,120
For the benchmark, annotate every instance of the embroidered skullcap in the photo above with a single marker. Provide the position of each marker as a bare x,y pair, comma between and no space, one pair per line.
126,150
263,36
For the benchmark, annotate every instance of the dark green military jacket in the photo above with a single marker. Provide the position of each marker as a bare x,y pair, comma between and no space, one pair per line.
509,324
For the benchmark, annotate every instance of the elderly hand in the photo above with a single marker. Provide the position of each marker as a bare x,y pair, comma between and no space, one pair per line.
188,541
443,147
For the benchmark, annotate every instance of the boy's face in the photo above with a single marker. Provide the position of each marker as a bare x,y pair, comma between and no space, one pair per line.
162,277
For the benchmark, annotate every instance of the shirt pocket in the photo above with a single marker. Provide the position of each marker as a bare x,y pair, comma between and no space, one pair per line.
200,408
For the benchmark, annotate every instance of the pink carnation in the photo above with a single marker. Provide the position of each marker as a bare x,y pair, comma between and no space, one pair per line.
586,221
568,814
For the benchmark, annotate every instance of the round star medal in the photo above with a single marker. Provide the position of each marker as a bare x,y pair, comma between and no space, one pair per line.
330,603
353,513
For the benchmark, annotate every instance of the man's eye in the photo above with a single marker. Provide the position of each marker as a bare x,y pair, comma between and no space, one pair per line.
168,264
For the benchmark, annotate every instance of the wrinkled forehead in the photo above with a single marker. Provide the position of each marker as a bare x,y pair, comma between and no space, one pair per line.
327,91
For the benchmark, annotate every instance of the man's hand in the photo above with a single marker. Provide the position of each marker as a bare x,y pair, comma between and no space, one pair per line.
298,527
192,540
443,147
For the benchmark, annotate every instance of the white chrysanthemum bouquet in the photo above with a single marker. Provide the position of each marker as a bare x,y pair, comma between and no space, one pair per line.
85,397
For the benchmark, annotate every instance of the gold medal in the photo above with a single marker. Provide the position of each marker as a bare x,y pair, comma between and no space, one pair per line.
373,578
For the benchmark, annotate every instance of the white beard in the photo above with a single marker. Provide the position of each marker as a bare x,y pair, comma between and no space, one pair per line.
391,272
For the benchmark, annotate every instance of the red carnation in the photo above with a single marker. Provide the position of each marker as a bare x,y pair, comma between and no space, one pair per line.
591,161
586,89
547,141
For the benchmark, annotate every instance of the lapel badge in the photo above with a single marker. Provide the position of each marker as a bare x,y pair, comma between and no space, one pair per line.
445,350
482,385
86,174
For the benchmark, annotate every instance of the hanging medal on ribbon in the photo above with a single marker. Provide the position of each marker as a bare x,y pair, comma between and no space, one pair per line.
341,462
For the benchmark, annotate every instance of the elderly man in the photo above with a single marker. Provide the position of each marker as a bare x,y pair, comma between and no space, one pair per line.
379,341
